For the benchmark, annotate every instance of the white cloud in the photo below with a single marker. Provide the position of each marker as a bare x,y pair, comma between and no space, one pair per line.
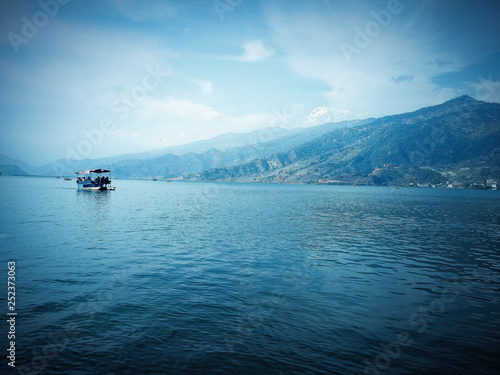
486,89
255,51
186,113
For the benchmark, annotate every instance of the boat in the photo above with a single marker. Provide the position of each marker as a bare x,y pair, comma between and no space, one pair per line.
101,180
67,179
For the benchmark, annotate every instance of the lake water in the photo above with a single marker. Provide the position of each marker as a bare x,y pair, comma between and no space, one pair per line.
167,278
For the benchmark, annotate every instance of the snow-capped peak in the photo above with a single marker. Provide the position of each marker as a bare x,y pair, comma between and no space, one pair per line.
318,116
321,115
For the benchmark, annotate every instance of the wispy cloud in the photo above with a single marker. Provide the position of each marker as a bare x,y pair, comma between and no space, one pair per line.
485,88
388,45
255,51
440,63
402,78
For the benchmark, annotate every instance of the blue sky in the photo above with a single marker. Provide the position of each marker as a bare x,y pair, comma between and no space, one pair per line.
88,79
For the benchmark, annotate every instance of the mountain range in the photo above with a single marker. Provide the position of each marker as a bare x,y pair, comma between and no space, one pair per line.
457,141
221,151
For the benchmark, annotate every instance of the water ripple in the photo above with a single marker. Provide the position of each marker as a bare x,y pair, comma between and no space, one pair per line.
225,278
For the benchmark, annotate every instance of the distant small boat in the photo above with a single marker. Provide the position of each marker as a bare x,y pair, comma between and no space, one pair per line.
169,180
155,179
101,183
58,176
67,179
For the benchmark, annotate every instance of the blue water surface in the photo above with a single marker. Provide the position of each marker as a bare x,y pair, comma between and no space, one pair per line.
213,278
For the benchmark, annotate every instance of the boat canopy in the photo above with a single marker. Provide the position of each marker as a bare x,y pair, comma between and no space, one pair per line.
93,171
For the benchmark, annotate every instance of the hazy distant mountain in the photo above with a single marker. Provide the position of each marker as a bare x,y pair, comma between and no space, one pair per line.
9,166
222,151
455,140
221,142
11,170
232,141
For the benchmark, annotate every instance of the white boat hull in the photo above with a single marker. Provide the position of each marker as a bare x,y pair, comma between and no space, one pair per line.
104,188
